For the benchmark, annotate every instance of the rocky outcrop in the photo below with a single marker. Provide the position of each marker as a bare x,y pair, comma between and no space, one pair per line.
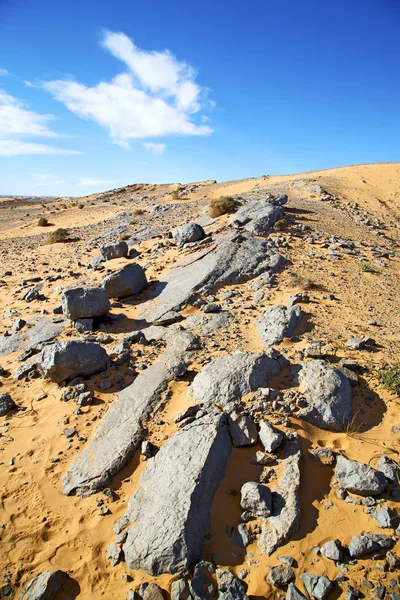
228,378
121,430
185,234
279,322
85,303
285,516
65,360
45,586
359,478
171,507
40,332
126,282
257,217
328,395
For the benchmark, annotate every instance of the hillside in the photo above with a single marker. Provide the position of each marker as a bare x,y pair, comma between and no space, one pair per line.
306,289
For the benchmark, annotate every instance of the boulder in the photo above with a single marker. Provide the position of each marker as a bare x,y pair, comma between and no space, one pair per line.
294,594
171,507
229,587
45,586
332,550
257,217
359,478
361,545
85,303
180,590
114,250
270,437
256,499
243,430
128,281
202,587
7,404
153,592
65,360
281,576
190,232
122,429
277,323
389,468
328,395
317,587
228,378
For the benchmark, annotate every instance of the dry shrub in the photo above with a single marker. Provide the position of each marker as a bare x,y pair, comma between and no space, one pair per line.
137,212
59,235
221,206
43,222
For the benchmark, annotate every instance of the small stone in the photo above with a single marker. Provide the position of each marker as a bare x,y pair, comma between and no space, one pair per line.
281,576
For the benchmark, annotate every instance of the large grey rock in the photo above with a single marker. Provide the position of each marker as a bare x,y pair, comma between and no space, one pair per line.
385,517
279,322
39,332
361,545
317,587
209,323
114,250
65,360
190,232
359,478
45,586
228,378
128,281
85,303
234,258
285,517
171,507
256,499
294,594
229,587
281,576
7,404
202,587
257,217
389,468
180,590
332,550
328,395
243,430
270,437
122,429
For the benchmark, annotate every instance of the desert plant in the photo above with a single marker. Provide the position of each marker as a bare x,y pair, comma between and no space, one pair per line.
126,236
366,267
221,206
352,428
297,280
175,193
59,235
81,206
137,212
390,377
43,222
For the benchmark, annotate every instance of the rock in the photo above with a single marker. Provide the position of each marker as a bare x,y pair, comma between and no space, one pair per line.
113,554
120,524
233,258
209,323
128,281
361,545
385,517
190,232
121,430
393,560
7,404
281,576
257,217
213,307
242,537
39,332
153,592
359,478
317,587
114,250
256,499
270,437
85,303
170,317
328,396
65,360
277,323
180,590
314,349
285,516
242,429
228,378
229,587
45,586
171,507
333,550
389,468
84,325
202,586
293,593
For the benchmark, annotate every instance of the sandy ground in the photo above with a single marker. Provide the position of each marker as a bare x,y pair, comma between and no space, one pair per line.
41,528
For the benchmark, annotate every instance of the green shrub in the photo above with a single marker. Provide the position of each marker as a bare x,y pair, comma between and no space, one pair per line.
390,378
366,267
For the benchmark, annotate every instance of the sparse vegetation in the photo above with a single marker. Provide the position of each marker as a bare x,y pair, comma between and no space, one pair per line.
175,193
297,280
125,236
221,206
137,212
81,206
366,267
43,222
353,428
390,377
59,235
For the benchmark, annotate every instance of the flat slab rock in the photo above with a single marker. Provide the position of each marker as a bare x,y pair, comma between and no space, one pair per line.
230,377
286,510
171,507
45,586
279,322
359,478
32,338
234,258
328,395
257,217
121,430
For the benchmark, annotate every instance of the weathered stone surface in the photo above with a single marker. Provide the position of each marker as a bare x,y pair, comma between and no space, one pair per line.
317,587
180,590
389,468
65,360
359,478
7,404
129,280
190,232
256,499
208,323
243,430
114,250
328,395
279,322
229,587
281,576
45,586
234,258
113,554
332,550
293,593
85,303
121,430
385,517
242,536
230,377
84,325
202,586
285,500
171,507
257,217
361,545
270,437
34,337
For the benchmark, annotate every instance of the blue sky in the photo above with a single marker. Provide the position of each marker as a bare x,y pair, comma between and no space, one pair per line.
99,94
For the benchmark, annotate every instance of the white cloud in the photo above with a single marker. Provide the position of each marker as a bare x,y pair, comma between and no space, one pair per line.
18,121
156,97
3,72
10,147
43,179
154,148
88,181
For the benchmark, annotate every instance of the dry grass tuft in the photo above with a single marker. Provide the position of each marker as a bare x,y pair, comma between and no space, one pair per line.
297,280
221,206
43,222
59,235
